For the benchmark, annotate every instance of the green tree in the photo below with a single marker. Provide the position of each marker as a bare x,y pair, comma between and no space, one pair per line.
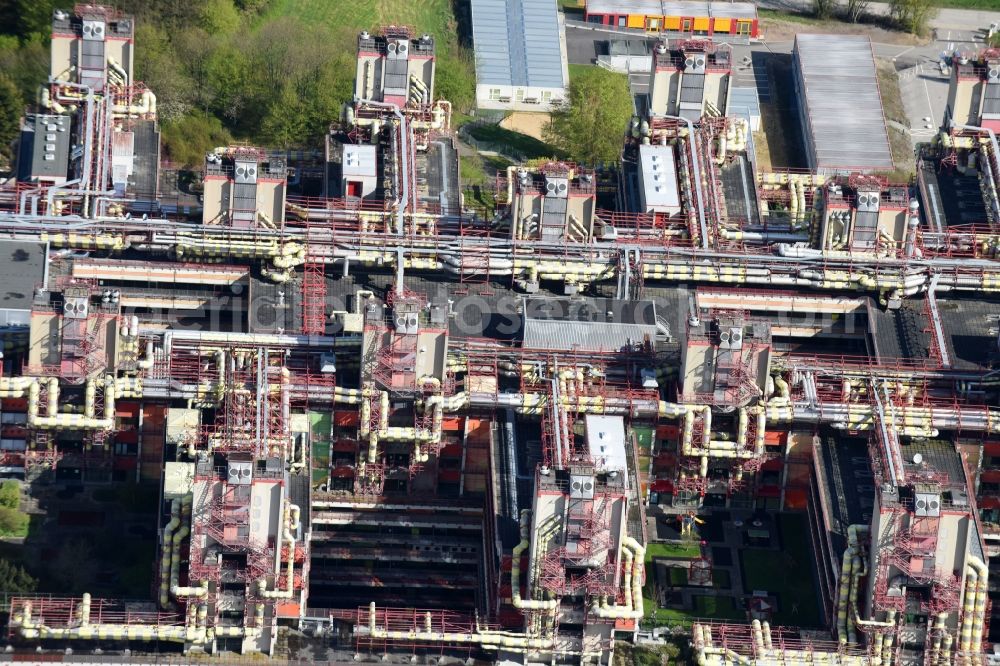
11,106
15,580
10,491
13,522
188,138
823,8
913,15
590,125
218,17
25,62
455,79
856,9
253,6
35,16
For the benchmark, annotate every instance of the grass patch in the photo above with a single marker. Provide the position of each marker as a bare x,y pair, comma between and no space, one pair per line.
795,588
477,173
675,551
643,437
718,608
679,577
430,16
788,17
967,4
528,146
892,104
576,70
14,523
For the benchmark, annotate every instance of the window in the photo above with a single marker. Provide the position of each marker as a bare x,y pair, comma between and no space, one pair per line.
621,21
653,24
546,95
520,95
495,94
743,27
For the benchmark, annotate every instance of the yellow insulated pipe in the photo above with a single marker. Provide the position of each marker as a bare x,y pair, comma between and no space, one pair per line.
179,535
982,585
165,557
291,525
515,571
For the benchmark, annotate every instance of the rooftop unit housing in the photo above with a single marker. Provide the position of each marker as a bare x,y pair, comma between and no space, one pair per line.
90,44
690,78
395,67
659,190
243,188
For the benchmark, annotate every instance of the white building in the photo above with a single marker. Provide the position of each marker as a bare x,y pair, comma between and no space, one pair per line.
520,50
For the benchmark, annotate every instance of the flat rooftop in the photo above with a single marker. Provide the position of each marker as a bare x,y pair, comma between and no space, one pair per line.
841,104
22,268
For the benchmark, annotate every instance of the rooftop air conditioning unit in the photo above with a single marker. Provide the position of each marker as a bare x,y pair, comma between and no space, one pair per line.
927,504
694,63
397,49
868,202
407,323
246,172
581,486
93,30
240,473
75,308
731,337
556,187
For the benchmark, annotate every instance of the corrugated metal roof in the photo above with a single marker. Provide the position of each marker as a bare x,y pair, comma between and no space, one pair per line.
624,6
517,42
583,335
734,9
684,8
843,107
592,324
673,8
744,102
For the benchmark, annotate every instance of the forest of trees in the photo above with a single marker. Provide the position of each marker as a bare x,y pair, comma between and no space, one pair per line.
221,69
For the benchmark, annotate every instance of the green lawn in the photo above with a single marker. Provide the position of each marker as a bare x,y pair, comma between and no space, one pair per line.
679,577
576,70
431,16
795,588
681,551
528,146
705,607
643,436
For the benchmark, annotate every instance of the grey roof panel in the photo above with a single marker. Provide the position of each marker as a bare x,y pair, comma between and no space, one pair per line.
991,106
841,101
746,10
517,43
